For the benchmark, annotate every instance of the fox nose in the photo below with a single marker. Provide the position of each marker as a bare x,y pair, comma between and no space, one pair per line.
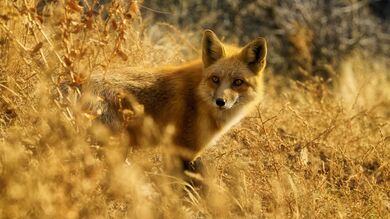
220,102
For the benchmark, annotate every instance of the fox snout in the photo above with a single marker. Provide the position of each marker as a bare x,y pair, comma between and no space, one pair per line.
220,102
225,99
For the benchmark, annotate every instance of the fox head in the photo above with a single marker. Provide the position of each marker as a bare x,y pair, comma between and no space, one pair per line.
231,79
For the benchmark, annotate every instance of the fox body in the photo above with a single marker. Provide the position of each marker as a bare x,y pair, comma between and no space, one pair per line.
200,99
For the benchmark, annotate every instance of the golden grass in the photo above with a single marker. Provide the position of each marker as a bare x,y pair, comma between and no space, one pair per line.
310,150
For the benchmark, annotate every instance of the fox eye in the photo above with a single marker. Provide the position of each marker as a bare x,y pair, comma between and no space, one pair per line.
215,79
237,82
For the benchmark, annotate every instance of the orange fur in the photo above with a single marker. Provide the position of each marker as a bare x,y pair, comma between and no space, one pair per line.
185,96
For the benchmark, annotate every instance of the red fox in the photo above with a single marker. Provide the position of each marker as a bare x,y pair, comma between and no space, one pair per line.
200,99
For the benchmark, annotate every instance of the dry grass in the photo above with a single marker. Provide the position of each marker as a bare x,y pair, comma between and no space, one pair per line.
309,151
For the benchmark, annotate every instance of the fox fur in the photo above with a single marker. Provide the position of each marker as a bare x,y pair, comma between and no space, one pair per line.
199,100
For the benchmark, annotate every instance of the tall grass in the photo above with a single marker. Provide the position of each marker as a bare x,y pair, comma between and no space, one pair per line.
310,150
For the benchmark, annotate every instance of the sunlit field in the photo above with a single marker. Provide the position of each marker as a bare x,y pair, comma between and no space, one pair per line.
317,146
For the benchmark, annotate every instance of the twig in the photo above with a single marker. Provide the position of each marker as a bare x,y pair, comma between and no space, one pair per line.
157,11
10,90
35,35
9,32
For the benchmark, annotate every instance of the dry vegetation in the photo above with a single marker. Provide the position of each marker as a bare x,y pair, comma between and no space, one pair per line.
311,150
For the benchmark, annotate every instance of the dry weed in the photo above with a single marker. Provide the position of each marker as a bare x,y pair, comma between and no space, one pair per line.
309,151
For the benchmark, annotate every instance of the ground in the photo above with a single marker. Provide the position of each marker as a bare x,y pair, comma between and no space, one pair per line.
313,148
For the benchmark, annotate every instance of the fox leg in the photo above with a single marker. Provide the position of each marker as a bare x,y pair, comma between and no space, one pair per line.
194,173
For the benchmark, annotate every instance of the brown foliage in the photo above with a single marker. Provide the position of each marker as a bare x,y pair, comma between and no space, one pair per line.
309,151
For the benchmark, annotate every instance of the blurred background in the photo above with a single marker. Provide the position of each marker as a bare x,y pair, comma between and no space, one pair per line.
305,37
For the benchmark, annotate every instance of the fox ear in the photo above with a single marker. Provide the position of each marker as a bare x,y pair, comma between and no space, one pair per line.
254,55
212,48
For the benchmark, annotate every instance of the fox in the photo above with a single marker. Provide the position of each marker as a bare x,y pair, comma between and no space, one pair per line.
199,100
